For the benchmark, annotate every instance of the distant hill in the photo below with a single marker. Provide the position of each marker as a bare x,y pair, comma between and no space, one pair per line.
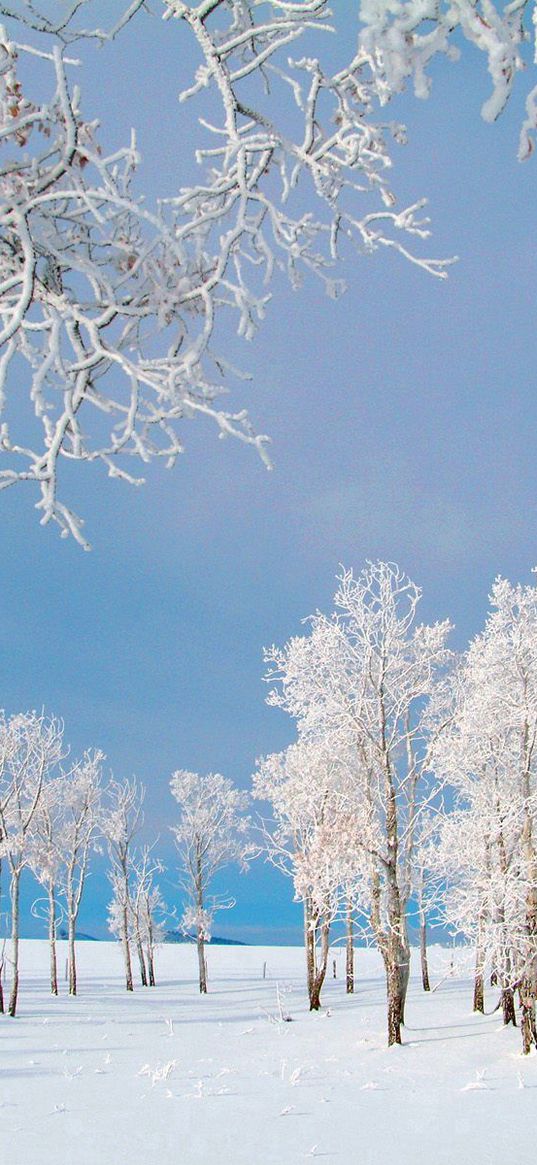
79,935
177,936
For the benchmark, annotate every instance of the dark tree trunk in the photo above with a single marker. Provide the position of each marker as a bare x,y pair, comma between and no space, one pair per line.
479,981
508,1006
150,967
395,1004
202,964
423,955
319,965
141,960
528,1030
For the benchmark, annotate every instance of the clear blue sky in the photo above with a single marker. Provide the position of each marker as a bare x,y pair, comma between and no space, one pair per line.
403,420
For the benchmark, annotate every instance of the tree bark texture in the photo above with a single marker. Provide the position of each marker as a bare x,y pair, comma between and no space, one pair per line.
141,960
423,956
479,976
71,953
125,944
202,964
15,900
349,953
52,940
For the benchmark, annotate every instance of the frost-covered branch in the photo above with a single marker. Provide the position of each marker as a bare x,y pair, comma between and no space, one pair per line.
116,310
404,36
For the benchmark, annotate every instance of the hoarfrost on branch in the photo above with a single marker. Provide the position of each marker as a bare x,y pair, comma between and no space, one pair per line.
115,311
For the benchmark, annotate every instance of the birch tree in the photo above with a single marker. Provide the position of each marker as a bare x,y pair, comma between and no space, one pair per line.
212,833
79,836
363,678
490,756
148,911
305,788
31,747
45,856
121,822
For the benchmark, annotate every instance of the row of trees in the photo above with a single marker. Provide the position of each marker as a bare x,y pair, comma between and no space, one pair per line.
412,784
118,307
410,790
54,816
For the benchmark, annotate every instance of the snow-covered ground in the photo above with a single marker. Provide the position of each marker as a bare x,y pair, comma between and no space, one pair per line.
164,1076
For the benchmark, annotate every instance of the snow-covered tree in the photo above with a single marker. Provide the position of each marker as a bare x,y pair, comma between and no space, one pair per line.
305,786
212,833
80,833
121,821
362,681
118,306
488,753
31,747
45,857
148,911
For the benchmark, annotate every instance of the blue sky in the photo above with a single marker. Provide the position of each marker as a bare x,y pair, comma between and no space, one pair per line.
403,420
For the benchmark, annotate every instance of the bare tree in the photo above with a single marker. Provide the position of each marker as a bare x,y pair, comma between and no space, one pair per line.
212,832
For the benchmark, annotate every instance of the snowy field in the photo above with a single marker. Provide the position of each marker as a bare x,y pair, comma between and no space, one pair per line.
165,1076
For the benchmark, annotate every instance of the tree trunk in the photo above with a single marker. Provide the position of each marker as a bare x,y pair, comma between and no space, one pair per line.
15,899
320,968
479,982
126,949
71,952
423,955
393,986
150,966
309,944
527,1022
528,986
2,953
349,953
508,994
202,965
508,1006
141,960
52,940
403,969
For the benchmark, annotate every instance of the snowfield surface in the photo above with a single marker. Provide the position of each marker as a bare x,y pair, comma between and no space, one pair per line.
165,1076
